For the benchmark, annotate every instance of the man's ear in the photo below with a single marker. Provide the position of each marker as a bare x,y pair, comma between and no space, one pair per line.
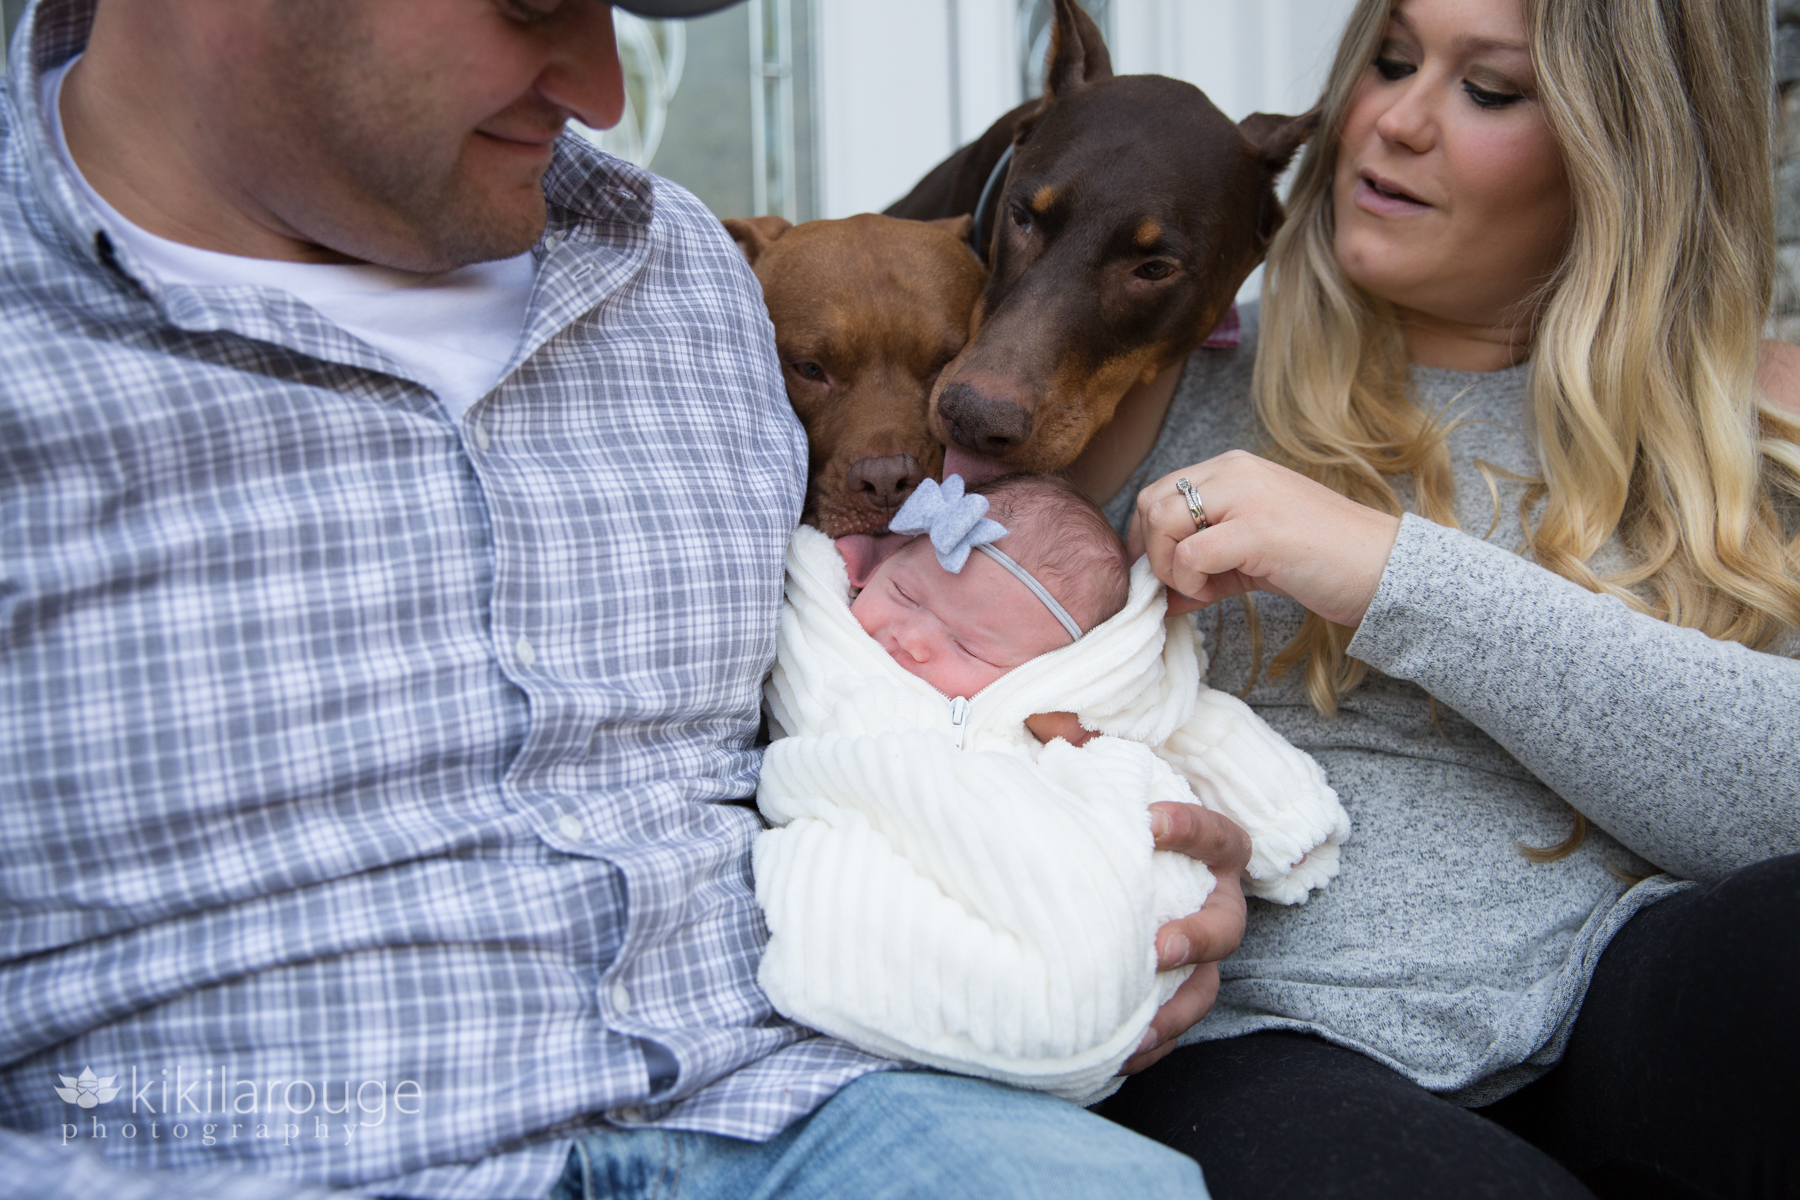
1277,138
1078,54
753,234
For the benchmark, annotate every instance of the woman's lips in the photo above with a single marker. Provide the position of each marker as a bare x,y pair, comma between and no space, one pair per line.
1383,198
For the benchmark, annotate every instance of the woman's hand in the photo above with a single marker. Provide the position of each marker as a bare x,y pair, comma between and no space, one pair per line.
1268,529
1204,937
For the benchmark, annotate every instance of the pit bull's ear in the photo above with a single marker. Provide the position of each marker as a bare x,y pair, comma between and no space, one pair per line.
963,227
753,234
1278,138
1078,54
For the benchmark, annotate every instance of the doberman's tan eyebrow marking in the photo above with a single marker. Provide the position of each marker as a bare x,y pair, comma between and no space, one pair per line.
1042,199
1148,234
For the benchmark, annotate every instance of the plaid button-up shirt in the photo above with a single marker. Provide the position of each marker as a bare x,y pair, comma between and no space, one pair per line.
374,782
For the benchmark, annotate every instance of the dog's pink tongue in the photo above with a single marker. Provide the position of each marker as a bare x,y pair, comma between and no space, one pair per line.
975,469
863,552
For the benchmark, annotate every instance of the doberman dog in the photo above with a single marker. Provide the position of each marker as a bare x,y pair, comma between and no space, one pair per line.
867,311
1130,212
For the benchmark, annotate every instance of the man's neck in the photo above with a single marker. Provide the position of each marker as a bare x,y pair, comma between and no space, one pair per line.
138,144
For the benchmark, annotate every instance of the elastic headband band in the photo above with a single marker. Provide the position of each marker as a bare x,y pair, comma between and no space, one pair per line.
1037,589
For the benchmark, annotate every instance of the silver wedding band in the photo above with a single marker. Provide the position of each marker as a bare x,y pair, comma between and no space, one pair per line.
1196,510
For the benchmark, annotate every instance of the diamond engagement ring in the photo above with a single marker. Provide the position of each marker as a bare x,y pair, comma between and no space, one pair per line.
1195,508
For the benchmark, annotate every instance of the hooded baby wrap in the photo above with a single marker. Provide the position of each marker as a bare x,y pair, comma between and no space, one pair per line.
942,889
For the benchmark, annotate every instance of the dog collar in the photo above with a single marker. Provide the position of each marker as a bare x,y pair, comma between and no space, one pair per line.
981,206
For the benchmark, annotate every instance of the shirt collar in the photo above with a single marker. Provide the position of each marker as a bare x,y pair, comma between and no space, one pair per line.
48,35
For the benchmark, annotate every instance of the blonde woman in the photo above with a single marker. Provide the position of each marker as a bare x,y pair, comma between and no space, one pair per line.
1522,511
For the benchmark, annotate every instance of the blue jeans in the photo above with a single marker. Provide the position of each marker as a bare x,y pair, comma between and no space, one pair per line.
892,1134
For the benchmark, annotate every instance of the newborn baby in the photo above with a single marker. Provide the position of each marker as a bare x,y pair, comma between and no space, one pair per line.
960,870
961,631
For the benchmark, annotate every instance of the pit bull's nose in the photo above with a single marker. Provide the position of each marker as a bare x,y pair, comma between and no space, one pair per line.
884,482
980,423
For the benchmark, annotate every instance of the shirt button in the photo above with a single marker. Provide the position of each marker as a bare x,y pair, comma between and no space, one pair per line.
621,998
628,1115
524,651
569,827
552,240
482,441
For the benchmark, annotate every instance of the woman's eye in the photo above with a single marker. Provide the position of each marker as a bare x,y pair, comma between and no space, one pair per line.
810,370
1484,98
1021,216
1391,69
1155,269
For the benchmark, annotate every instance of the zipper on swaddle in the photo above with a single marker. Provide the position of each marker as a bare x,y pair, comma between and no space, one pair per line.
959,719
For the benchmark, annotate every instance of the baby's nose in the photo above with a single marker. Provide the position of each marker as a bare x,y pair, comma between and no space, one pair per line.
913,641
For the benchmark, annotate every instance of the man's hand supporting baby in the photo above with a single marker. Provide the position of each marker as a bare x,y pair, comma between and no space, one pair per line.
1202,938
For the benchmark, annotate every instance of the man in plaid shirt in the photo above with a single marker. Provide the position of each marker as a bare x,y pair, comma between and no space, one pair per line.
392,501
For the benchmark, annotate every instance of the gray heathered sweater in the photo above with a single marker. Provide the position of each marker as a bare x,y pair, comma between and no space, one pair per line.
1440,950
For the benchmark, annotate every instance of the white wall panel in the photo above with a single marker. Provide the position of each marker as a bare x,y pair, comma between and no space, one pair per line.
888,111
884,99
1267,56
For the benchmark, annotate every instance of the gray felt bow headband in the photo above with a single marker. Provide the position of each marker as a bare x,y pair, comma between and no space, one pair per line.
959,523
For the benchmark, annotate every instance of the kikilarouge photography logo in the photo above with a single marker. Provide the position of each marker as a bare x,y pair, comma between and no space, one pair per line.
211,1107
87,1089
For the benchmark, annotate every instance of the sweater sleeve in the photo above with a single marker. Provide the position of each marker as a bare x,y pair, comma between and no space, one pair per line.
1684,748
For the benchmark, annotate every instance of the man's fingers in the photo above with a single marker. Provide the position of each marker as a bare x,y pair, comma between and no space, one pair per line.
1211,837
1216,840
1191,1001
1208,935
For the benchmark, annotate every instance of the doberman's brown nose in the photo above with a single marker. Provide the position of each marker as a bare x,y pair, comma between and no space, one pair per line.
884,482
980,423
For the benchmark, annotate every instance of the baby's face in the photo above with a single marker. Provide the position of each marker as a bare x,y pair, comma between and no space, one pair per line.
960,632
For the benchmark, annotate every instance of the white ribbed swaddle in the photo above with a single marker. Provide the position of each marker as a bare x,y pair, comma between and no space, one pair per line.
940,888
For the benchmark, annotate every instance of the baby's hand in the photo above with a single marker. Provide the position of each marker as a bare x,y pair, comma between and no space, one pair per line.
1045,726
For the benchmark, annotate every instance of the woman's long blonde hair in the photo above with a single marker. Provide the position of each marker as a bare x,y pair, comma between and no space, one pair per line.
1644,350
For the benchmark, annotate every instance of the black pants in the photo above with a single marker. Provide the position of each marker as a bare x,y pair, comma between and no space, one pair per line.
1681,1080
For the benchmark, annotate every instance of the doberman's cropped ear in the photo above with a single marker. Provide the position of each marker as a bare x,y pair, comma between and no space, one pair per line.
961,226
1278,138
753,234
1078,54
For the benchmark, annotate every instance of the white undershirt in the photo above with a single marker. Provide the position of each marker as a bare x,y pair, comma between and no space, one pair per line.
454,332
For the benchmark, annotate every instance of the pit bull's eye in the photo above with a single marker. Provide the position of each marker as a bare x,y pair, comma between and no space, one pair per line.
1021,216
810,370
1155,269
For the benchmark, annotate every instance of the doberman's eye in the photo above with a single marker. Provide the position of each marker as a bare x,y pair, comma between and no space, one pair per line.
1021,216
810,370
1155,269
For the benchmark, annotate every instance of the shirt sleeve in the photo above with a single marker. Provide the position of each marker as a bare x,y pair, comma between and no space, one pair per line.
1685,748
34,1166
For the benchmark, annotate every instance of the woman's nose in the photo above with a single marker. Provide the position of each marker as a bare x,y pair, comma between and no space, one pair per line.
1410,120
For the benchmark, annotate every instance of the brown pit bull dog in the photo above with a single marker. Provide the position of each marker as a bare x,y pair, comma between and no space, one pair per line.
867,312
1130,213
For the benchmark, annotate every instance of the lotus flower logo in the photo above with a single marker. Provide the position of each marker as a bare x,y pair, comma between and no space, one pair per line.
87,1090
